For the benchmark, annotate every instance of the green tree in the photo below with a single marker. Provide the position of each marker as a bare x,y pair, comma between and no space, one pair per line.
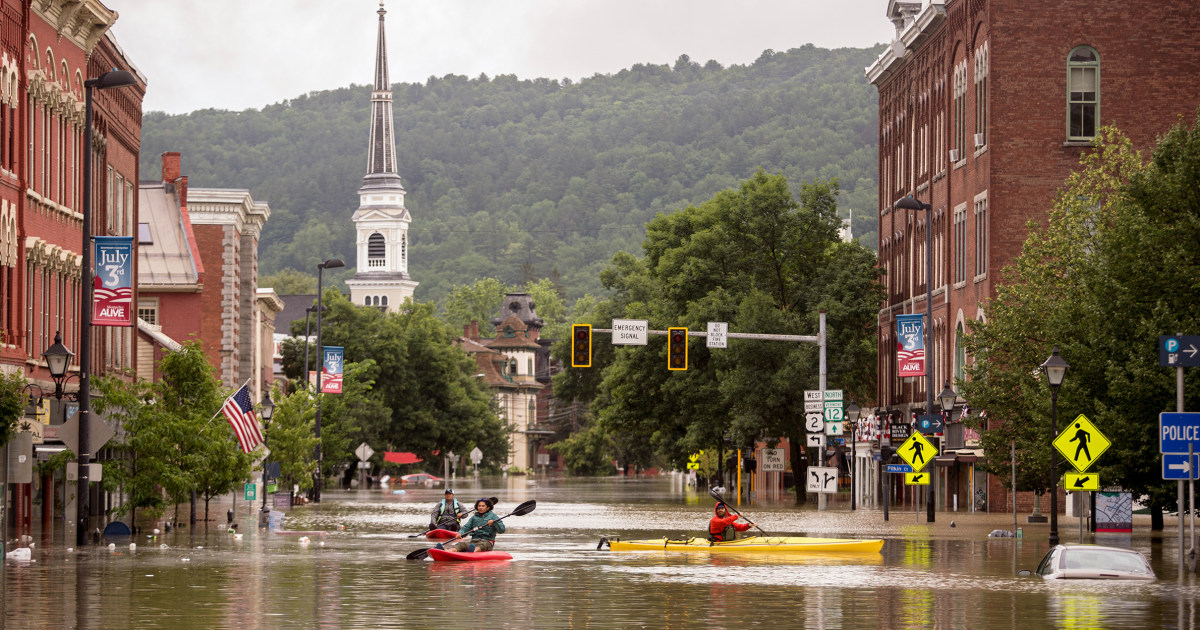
12,404
292,439
346,417
289,281
478,301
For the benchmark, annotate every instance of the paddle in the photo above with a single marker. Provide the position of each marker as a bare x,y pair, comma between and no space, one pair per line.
492,500
716,495
521,510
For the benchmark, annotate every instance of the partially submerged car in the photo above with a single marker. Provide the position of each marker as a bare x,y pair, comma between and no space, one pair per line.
1093,562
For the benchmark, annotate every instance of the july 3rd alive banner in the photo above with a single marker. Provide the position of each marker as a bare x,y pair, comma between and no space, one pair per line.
910,345
112,293
331,370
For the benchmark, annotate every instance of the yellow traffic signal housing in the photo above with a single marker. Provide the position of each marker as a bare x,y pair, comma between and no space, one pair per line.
677,348
581,345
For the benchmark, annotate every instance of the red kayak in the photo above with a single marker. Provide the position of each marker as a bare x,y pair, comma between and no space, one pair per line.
467,556
440,534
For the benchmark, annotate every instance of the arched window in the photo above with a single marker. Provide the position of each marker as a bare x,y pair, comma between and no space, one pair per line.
367,301
1083,93
384,302
960,353
376,250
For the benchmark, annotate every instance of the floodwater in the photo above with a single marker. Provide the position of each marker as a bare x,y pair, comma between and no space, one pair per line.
927,576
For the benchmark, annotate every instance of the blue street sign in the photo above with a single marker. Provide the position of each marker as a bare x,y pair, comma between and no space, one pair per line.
1179,350
1177,430
1175,466
898,468
929,423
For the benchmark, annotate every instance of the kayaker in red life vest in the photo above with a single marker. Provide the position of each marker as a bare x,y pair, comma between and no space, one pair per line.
485,538
724,526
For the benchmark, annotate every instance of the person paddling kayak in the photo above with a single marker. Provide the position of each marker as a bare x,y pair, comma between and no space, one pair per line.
447,513
724,526
483,538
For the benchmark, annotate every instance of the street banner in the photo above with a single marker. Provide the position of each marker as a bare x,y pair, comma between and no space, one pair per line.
112,293
910,345
331,369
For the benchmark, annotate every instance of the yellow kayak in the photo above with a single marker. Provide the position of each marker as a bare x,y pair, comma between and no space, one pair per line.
752,544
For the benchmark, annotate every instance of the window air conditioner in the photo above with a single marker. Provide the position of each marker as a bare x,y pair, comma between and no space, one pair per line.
953,156
978,140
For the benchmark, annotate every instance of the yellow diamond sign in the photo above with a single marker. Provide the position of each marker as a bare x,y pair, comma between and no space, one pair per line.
1081,443
917,451
917,479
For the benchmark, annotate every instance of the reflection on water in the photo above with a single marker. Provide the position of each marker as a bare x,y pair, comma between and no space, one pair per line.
926,575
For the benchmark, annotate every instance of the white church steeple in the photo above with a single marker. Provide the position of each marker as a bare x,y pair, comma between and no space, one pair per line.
381,221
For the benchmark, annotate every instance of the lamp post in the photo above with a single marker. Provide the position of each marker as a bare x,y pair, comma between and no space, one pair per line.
909,203
267,409
1055,369
58,359
332,263
111,79
853,412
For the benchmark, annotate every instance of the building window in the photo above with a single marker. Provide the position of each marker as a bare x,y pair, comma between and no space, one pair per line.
981,104
981,235
148,311
960,112
1083,93
384,301
376,250
960,243
960,354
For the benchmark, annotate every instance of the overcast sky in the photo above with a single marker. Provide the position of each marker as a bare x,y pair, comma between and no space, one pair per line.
239,54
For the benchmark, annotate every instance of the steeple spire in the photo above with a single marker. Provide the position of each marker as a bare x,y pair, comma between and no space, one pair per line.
381,158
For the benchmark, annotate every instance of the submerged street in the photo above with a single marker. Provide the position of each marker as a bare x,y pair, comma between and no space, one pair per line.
927,576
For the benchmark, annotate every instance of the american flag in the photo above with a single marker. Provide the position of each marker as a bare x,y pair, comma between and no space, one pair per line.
240,412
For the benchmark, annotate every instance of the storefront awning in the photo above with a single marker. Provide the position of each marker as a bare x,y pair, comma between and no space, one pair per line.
944,460
401,458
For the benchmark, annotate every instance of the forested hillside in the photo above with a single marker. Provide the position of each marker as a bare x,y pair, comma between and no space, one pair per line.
523,179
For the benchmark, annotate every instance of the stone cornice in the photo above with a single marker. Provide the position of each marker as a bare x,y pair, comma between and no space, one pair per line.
84,22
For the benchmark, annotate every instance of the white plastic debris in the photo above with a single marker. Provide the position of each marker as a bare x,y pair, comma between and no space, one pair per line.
20,554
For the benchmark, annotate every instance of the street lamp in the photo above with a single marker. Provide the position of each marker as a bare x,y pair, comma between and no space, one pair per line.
58,359
111,79
332,263
266,409
947,398
853,412
909,203
1055,369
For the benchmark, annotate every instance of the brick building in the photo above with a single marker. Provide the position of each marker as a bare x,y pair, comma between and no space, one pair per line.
47,51
198,262
984,109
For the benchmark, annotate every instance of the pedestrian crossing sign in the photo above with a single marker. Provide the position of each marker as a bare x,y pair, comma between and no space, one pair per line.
1081,443
917,451
917,479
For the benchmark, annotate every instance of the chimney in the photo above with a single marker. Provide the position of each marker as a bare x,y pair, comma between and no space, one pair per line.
171,168
475,329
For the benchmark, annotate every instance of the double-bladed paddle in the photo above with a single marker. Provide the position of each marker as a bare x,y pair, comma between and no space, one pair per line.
521,510
492,500
716,495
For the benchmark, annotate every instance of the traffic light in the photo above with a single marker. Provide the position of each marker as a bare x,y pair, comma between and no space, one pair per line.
581,345
677,346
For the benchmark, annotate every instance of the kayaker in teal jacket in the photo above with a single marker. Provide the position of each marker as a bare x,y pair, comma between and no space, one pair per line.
484,538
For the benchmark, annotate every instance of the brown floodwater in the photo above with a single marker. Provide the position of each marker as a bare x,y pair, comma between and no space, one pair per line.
927,576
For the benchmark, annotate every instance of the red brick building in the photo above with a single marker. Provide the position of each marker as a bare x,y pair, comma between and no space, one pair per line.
984,109
48,48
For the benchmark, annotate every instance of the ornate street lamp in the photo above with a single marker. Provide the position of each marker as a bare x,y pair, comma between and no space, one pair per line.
909,203
266,409
58,359
1055,369
332,263
947,398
